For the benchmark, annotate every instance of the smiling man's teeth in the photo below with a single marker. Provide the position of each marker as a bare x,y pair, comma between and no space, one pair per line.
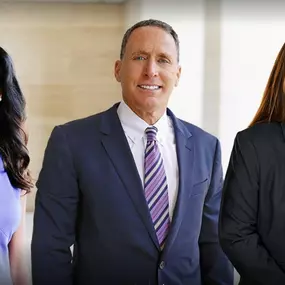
150,87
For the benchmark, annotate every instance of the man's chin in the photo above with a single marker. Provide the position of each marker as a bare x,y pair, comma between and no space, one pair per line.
152,103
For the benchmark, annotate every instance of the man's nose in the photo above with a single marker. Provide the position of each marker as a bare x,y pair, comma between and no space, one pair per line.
151,68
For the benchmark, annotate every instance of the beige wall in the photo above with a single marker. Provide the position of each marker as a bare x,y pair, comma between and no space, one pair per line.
64,56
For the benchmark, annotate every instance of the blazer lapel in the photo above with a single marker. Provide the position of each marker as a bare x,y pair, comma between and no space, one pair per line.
117,148
185,157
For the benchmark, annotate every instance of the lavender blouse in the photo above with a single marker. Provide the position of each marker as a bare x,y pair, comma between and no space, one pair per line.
10,215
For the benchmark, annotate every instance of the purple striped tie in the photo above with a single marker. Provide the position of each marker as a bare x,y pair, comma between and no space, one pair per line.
155,186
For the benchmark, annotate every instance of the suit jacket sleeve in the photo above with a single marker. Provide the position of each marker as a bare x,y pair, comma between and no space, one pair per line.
215,266
55,214
238,220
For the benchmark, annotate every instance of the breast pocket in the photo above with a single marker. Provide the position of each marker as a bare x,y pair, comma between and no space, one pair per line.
200,188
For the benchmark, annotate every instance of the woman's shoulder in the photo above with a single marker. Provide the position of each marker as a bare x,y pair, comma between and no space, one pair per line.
4,179
263,131
1,164
262,136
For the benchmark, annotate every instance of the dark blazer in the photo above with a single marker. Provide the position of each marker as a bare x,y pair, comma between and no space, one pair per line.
90,195
252,220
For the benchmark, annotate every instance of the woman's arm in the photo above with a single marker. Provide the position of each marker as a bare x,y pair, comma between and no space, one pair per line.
18,251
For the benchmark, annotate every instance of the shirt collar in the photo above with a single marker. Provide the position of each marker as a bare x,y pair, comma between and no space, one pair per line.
135,127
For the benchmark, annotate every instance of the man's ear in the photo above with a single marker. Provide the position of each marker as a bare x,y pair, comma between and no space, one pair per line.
117,70
178,75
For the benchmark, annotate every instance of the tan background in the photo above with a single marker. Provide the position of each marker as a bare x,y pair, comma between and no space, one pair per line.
64,56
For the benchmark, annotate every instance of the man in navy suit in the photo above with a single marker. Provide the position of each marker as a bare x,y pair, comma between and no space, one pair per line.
134,189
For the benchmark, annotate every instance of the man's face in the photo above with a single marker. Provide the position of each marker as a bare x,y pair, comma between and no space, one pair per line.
149,69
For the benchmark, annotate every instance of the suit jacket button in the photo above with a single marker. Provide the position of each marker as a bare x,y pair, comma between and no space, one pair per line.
162,265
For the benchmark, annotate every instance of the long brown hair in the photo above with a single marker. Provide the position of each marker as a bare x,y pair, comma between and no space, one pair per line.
272,107
13,138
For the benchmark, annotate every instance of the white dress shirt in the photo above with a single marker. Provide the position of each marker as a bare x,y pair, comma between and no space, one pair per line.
134,128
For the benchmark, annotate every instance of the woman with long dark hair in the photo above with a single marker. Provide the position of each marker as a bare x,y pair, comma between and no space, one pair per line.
15,180
252,217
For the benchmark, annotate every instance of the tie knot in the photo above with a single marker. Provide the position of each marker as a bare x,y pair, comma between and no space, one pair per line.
151,133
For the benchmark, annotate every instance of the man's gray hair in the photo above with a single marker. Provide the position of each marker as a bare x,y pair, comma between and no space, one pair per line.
150,23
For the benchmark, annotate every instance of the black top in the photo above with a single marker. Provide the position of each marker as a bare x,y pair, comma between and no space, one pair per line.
252,219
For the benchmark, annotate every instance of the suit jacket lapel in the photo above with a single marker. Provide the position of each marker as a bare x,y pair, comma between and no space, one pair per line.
117,148
185,156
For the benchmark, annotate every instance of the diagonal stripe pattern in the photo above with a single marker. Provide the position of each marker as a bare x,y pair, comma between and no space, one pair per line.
155,186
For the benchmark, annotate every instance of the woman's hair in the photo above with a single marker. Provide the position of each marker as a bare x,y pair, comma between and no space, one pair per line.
272,107
13,138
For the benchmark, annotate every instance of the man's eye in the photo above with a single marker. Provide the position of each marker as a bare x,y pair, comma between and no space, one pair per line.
139,58
163,60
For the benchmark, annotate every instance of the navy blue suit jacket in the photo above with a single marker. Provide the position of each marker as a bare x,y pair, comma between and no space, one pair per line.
90,195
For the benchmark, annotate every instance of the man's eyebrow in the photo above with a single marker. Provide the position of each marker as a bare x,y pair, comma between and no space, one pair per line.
140,52
163,54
